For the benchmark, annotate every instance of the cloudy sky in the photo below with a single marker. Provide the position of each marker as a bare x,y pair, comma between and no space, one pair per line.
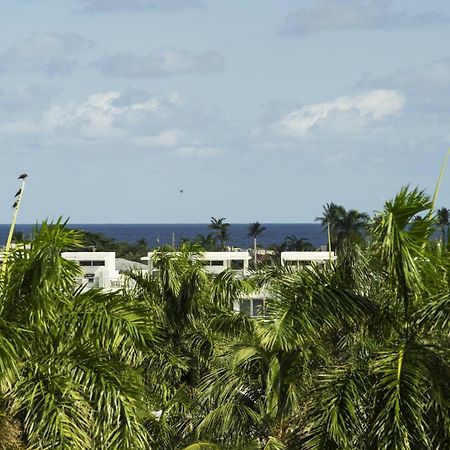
259,110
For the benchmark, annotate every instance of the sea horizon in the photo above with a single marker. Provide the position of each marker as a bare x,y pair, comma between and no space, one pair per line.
163,233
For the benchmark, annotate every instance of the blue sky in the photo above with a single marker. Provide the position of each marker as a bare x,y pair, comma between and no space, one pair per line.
259,110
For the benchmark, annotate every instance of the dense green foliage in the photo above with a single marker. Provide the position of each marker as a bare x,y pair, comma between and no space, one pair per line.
354,356
343,225
101,243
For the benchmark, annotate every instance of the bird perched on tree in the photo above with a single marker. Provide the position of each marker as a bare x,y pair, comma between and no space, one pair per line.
18,193
15,205
23,176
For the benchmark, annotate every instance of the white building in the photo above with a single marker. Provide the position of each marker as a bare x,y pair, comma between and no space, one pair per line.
301,259
214,262
99,269
217,262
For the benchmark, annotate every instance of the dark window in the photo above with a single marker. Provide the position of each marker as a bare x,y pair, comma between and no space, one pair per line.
85,263
258,307
217,263
237,264
92,263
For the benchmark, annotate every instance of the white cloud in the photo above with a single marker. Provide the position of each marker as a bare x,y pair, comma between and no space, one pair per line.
99,117
344,115
51,53
427,87
355,14
164,62
114,120
137,5
106,115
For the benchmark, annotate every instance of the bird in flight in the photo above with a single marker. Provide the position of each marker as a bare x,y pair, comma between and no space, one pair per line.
23,176
180,191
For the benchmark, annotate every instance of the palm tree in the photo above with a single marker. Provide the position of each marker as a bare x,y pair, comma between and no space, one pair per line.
221,229
294,244
342,224
330,219
351,225
254,230
443,220
392,393
351,357
182,300
207,242
257,391
69,377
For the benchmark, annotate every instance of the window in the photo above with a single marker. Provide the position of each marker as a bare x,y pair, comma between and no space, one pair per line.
252,307
92,263
258,307
237,264
216,263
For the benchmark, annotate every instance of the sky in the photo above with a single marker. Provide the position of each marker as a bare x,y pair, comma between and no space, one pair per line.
260,110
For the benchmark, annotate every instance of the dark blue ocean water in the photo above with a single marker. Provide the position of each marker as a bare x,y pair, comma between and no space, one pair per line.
274,233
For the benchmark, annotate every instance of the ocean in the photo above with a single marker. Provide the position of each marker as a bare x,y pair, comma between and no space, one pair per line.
160,234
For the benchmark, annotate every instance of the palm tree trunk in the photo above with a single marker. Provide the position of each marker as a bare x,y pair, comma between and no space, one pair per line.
254,249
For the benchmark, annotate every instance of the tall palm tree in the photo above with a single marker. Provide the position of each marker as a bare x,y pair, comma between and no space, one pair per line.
330,219
221,229
69,377
393,392
443,220
342,224
182,300
254,230
351,357
351,224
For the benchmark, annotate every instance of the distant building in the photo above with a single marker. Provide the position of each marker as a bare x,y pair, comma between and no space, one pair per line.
214,262
100,271
301,259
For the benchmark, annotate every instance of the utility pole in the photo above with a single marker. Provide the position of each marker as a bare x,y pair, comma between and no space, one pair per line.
16,207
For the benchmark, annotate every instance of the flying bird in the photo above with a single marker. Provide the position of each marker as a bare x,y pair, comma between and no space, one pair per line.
180,191
22,177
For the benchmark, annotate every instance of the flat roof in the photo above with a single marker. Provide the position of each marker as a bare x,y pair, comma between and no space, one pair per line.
93,256
214,256
307,256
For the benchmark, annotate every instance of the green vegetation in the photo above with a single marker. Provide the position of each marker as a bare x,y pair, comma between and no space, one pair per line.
101,243
254,230
221,231
343,224
353,356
